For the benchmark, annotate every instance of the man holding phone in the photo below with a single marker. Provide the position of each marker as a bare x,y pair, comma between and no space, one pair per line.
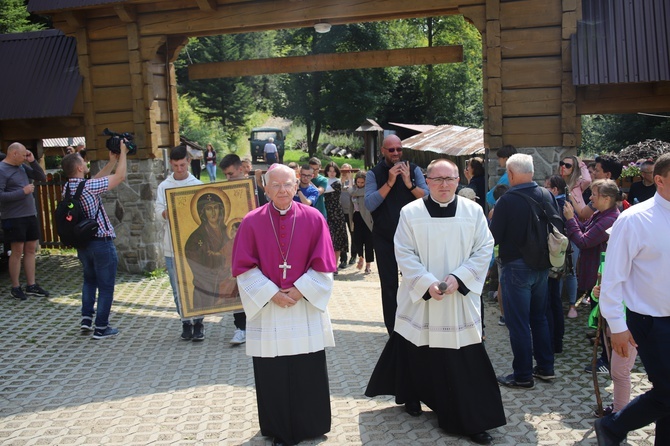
389,186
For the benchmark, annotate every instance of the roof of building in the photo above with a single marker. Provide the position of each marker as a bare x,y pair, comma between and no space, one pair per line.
416,127
63,142
621,41
451,140
40,75
369,125
42,6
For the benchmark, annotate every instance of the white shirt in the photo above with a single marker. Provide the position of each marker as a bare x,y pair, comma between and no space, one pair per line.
637,264
161,205
428,250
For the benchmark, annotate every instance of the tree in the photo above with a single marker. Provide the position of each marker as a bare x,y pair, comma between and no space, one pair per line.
612,133
229,100
337,99
15,18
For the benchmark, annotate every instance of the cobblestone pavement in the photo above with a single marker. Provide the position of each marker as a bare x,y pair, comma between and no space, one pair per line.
147,387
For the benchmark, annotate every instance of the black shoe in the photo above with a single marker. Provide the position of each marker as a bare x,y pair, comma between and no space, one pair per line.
198,332
352,260
603,436
601,367
18,293
343,264
509,381
36,290
413,408
544,376
86,324
186,331
482,438
278,442
104,333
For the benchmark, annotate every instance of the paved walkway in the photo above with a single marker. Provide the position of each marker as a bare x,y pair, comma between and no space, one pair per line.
147,387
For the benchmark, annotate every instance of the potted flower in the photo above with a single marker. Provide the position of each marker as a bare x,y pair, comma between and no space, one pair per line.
629,175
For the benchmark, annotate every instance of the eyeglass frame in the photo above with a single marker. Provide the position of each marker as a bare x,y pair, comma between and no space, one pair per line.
443,180
568,165
393,149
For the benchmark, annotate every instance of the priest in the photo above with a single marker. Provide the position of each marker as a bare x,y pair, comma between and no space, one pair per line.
283,260
435,354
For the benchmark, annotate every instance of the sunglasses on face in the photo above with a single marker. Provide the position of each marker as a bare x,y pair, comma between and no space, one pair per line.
394,149
567,165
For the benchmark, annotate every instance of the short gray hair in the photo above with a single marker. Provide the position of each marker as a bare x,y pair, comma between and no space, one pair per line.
277,168
520,163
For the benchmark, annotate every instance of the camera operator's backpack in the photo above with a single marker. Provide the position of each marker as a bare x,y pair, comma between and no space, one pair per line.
73,226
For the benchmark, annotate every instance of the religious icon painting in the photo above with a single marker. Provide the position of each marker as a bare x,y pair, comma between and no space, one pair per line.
204,220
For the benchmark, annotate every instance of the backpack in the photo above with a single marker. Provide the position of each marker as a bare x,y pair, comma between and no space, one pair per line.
545,246
72,224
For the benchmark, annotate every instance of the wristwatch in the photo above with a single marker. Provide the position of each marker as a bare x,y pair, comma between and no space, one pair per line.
412,188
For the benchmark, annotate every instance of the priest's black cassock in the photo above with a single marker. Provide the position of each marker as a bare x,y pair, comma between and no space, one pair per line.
435,354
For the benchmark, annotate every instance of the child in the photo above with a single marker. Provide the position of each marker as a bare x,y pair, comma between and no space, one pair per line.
361,220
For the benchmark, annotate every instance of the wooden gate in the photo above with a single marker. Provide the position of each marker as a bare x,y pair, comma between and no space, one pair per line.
47,196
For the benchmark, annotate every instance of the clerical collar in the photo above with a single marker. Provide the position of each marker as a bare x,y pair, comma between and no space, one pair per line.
444,205
282,211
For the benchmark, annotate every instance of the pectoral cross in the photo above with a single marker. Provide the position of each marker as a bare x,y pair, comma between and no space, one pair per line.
285,266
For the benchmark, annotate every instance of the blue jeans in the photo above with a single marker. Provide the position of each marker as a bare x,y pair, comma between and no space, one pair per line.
571,278
99,262
172,274
525,304
211,171
652,335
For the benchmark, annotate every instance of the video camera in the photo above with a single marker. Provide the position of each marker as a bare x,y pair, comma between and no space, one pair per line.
114,142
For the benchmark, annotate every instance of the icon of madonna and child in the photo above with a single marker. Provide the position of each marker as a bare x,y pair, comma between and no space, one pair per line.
203,261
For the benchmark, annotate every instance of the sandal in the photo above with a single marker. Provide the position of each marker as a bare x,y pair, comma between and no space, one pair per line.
360,263
367,269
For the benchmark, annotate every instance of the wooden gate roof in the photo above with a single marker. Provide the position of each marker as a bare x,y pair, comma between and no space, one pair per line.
40,77
37,6
622,41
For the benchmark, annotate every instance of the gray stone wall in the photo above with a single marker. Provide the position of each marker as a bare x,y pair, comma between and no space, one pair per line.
545,160
131,209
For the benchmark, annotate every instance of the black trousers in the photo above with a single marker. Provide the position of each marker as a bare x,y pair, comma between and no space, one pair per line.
362,239
240,320
388,278
195,168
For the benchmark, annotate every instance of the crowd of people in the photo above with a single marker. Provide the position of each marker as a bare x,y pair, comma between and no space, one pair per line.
435,233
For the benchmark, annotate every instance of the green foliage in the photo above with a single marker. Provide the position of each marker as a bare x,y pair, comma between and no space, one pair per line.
337,99
198,129
155,274
301,158
15,18
228,100
612,133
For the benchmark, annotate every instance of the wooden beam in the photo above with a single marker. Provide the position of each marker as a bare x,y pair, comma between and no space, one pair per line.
328,62
75,19
207,5
279,14
126,13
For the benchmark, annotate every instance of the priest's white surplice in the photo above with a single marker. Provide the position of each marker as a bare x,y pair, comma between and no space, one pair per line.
275,331
428,250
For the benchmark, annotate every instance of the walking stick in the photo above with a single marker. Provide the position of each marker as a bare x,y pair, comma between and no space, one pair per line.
594,370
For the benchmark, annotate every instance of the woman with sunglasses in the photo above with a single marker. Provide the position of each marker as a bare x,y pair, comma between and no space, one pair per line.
577,180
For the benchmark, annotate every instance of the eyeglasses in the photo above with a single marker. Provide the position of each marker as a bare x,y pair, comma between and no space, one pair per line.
307,175
441,180
278,186
394,149
647,171
567,165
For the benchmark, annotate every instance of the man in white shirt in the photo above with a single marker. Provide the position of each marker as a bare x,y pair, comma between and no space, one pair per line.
192,328
635,275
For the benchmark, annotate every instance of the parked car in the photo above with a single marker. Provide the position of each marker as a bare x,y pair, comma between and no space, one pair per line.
260,136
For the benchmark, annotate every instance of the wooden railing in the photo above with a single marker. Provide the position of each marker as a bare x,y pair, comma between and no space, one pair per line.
47,196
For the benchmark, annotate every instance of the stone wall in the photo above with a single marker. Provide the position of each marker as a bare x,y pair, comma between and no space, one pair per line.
131,209
545,160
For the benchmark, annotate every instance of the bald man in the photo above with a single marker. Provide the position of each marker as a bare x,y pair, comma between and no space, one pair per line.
19,216
389,186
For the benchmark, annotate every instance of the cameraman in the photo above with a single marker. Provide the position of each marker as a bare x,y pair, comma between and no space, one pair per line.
99,259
